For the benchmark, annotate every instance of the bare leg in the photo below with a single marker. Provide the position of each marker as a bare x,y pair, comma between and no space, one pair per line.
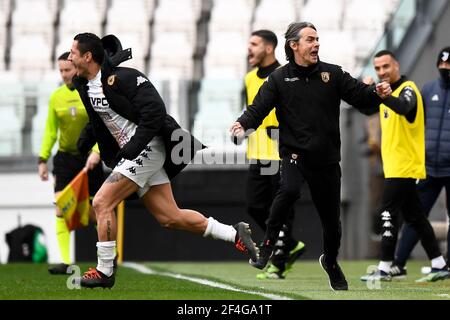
160,202
115,188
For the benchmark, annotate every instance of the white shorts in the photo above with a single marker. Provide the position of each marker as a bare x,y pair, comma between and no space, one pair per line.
147,169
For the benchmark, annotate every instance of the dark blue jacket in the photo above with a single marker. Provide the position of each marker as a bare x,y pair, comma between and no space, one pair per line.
436,99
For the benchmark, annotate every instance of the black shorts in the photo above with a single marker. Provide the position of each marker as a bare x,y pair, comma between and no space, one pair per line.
66,166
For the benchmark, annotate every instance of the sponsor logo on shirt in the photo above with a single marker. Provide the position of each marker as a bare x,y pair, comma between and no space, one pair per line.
435,98
99,102
140,80
291,79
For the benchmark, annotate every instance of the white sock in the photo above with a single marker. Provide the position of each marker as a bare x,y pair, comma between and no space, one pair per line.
217,230
106,251
384,266
438,263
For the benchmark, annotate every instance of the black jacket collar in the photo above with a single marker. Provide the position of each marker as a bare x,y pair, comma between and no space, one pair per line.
304,71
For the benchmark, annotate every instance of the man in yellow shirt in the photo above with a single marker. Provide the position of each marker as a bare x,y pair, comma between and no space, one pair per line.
403,154
66,118
262,151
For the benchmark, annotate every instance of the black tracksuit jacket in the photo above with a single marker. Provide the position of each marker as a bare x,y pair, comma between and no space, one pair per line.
132,95
307,104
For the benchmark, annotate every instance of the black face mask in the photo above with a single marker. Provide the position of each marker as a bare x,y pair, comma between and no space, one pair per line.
445,75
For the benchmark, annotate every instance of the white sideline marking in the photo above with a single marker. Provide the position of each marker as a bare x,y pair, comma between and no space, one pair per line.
143,269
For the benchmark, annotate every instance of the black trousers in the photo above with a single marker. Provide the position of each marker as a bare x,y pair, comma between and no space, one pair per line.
325,187
400,196
261,191
66,166
429,190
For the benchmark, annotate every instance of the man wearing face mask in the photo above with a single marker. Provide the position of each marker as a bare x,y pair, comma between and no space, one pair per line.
436,99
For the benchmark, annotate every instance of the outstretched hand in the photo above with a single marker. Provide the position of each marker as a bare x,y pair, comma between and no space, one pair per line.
383,89
237,133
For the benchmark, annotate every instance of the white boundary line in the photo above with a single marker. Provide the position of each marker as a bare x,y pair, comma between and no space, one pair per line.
145,270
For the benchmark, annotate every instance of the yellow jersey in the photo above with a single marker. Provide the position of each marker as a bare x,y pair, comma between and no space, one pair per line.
259,145
402,142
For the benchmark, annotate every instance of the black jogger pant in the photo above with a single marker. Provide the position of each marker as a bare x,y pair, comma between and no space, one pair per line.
325,187
261,191
400,196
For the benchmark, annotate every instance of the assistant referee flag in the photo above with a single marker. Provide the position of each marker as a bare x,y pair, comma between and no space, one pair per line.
73,201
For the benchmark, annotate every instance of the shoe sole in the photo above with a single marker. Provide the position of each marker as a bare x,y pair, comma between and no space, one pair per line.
323,268
398,277
436,277
57,273
270,276
244,228
96,285
367,278
329,281
255,263
296,253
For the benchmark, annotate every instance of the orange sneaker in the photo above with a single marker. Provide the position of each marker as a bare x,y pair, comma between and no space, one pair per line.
244,240
94,278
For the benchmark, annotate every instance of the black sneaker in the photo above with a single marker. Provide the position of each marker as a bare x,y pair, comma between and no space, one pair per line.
94,278
397,272
60,268
337,278
265,253
244,242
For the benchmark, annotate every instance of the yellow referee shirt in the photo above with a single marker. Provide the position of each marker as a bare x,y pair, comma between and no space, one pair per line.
65,120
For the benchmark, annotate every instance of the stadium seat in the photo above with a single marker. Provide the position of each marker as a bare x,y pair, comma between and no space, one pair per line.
329,19
281,14
12,109
44,90
338,48
4,16
34,18
130,22
166,56
219,105
81,16
26,64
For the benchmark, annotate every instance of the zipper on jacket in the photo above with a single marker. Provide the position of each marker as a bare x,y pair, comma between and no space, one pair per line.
439,133
307,79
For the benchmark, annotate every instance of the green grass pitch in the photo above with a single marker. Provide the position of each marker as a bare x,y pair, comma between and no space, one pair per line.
307,281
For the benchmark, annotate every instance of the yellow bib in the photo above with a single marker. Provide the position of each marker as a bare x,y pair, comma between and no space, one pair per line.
260,145
402,142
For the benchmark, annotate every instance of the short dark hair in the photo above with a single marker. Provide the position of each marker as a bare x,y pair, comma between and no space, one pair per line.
64,56
89,42
385,53
268,36
292,34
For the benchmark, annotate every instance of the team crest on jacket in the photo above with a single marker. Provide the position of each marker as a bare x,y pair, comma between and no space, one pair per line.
111,79
325,76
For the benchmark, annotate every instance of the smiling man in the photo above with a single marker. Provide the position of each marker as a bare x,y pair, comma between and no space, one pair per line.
128,119
307,95
403,154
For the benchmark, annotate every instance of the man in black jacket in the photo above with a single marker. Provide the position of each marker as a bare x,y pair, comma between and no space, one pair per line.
307,94
128,119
